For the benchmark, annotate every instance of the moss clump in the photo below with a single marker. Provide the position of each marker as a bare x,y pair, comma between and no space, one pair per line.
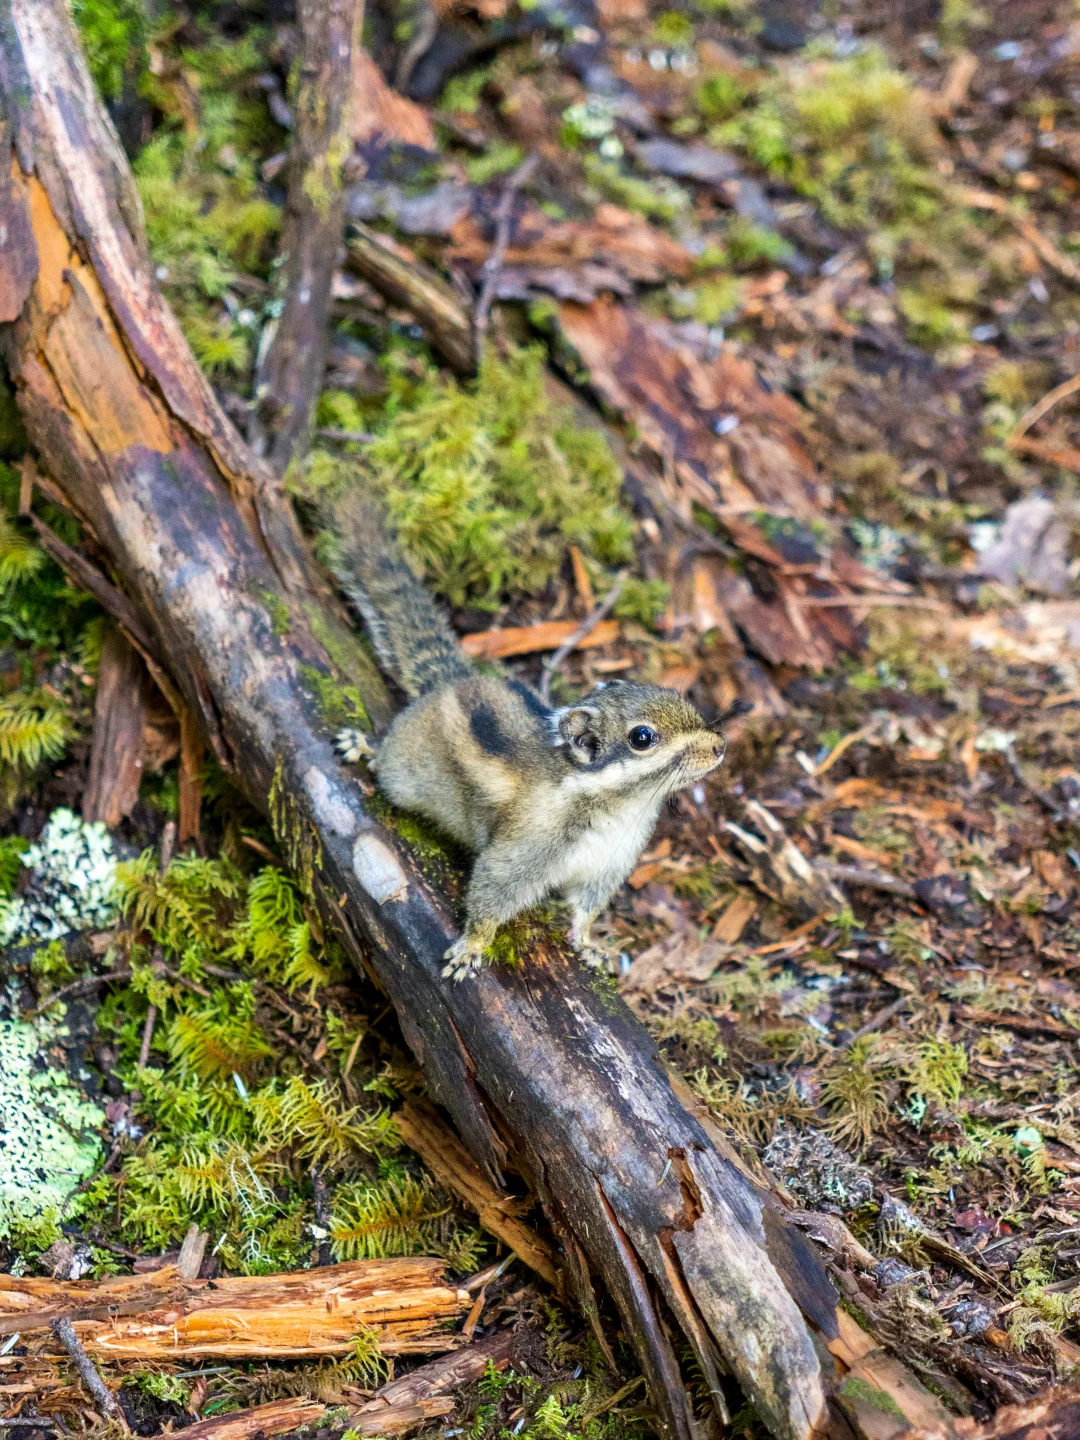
340,705
114,34
233,1118
854,134
206,217
275,607
488,484
858,137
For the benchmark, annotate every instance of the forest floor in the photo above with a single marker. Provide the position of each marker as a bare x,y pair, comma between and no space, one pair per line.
789,352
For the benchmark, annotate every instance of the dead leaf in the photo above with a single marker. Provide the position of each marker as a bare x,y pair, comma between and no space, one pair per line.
381,113
734,919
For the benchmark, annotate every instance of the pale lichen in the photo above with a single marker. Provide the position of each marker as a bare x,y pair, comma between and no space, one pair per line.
74,871
49,1138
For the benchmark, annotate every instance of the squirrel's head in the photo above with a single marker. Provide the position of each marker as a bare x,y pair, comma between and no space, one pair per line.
623,733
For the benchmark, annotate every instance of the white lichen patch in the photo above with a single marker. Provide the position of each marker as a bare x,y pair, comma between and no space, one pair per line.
48,1132
74,872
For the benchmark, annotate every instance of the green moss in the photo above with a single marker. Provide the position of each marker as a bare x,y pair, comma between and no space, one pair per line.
658,199
275,607
854,1387
349,655
114,34
339,705
498,159
488,484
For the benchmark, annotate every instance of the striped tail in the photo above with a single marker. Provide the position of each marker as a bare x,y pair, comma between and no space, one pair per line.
411,635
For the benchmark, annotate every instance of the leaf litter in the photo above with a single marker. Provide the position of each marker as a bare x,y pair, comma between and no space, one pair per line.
810,291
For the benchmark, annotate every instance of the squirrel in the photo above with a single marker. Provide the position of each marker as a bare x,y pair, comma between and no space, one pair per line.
552,801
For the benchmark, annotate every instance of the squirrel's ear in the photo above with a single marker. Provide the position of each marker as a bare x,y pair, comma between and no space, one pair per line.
577,732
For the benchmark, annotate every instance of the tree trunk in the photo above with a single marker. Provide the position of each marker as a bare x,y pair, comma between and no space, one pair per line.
541,1067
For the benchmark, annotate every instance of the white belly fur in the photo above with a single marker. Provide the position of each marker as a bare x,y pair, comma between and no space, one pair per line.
609,847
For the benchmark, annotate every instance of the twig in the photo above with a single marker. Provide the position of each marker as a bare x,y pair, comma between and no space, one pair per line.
426,30
147,1037
1043,407
881,1018
587,626
78,987
65,1333
868,879
323,1217
416,288
504,221
29,1422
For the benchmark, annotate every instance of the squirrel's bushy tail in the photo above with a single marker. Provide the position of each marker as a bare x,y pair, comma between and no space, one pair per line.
411,635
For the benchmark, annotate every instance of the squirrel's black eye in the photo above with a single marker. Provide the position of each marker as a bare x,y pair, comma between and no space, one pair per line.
642,737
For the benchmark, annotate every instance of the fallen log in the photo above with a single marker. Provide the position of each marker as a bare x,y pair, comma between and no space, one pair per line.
277,1417
160,1316
541,1067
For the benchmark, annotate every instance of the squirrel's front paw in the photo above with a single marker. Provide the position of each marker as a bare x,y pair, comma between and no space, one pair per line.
593,956
353,745
465,957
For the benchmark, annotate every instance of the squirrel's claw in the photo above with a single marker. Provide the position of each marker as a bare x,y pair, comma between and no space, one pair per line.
353,745
593,957
465,957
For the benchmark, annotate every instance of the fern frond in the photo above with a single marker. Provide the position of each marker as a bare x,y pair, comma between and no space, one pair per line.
20,557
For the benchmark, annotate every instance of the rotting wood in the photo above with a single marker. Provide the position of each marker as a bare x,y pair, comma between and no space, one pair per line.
418,289
197,535
312,1312
121,711
445,1156
277,1417
1054,1415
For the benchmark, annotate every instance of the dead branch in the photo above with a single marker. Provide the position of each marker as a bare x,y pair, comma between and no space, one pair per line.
314,1312
418,289
291,377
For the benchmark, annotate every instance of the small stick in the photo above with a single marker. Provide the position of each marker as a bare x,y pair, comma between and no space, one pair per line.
168,844
587,626
78,987
110,1407
869,879
1042,407
147,1037
504,220
29,1422
877,1021
323,1216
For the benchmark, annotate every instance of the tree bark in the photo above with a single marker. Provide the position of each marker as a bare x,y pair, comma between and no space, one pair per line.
541,1067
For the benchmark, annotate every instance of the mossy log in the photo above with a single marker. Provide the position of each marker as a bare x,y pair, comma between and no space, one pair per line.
542,1067
404,1304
